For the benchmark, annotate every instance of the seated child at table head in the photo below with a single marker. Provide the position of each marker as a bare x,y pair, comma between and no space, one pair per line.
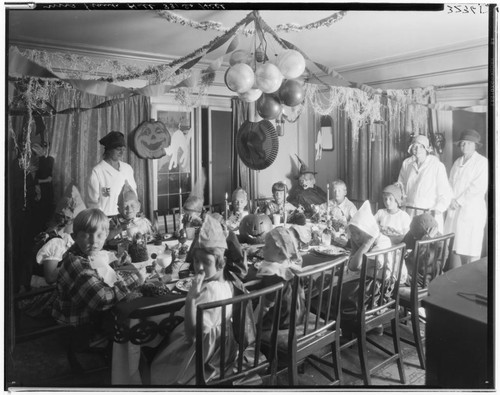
86,284
281,259
239,200
393,222
175,364
275,206
422,227
128,222
341,208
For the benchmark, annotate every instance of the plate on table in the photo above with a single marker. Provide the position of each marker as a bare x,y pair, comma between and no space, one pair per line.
185,284
329,250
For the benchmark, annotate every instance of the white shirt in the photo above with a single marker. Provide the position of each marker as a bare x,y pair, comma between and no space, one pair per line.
393,224
105,185
427,186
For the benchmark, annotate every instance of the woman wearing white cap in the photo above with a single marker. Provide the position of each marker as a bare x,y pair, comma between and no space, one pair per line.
109,175
425,181
466,216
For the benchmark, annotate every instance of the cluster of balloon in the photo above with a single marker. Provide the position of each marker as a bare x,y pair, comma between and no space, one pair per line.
271,85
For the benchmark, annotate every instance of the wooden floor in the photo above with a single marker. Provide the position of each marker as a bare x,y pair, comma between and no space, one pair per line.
43,364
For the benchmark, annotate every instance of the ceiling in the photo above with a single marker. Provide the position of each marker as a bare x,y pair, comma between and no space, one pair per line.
360,38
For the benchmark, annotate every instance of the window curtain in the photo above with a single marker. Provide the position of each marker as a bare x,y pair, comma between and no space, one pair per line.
74,144
241,174
373,160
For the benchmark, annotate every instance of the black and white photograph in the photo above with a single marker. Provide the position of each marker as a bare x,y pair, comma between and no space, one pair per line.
249,196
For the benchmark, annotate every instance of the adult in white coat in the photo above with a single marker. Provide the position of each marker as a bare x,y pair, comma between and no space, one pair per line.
467,214
424,181
108,176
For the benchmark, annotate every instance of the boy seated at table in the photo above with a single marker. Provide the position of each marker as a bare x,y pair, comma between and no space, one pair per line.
87,287
239,200
129,222
392,221
275,206
422,227
340,208
192,212
175,364
364,236
281,260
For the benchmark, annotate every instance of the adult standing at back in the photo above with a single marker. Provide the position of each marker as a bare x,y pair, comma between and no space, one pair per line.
466,216
108,176
424,180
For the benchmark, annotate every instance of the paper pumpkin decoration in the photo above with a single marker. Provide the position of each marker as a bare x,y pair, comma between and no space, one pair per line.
150,140
253,227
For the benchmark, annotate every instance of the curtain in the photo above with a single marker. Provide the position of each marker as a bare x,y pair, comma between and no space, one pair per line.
241,174
372,160
74,144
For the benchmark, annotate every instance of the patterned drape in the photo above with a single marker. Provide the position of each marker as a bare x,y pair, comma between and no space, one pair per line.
242,176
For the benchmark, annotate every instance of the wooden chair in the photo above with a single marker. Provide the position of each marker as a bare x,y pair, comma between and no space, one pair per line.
242,315
377,304
320,325
425,263
258,204
416,210
175,213
167,218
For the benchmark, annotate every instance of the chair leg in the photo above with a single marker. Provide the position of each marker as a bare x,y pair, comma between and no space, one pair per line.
363,358
397,349
337,367
293,375
417,337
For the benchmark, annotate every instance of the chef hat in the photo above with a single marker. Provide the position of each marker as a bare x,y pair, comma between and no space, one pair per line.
126,194
365,221
422,140
211,234
280,246
113,140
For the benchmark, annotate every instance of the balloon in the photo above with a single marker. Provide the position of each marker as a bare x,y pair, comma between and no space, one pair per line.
291,92
268,78
269,106
239,78
250,95
291,63
239,56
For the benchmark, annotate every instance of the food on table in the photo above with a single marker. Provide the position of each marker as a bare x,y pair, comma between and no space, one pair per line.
154,289
138,250
184,284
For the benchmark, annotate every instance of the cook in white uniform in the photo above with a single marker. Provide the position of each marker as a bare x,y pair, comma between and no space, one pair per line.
466,216
425,181
108,176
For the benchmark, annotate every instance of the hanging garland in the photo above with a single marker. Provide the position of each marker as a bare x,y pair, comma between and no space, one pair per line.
171,17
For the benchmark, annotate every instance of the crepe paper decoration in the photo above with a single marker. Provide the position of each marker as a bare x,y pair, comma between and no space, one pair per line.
150,140
257,144
179,141
286,27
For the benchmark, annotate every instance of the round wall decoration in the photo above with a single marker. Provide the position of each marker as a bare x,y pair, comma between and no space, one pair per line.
150,139
257,144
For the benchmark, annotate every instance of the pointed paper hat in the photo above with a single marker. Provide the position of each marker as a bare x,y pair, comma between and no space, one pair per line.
364,220
211,234
303,168
126,194
194,203
71,203
280,246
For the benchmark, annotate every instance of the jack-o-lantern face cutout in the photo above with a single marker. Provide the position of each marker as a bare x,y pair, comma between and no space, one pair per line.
150,139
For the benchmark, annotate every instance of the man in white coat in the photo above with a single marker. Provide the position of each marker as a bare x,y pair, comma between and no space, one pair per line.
467,214
108,176
424,181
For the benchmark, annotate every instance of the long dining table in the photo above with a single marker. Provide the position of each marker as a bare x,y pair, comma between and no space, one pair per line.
127,353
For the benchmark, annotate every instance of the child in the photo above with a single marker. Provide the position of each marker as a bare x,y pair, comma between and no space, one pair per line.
276,206
392,221
364,236
240,201
175,364
281,259
86,284
193,212
340,207
422,227
127,223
